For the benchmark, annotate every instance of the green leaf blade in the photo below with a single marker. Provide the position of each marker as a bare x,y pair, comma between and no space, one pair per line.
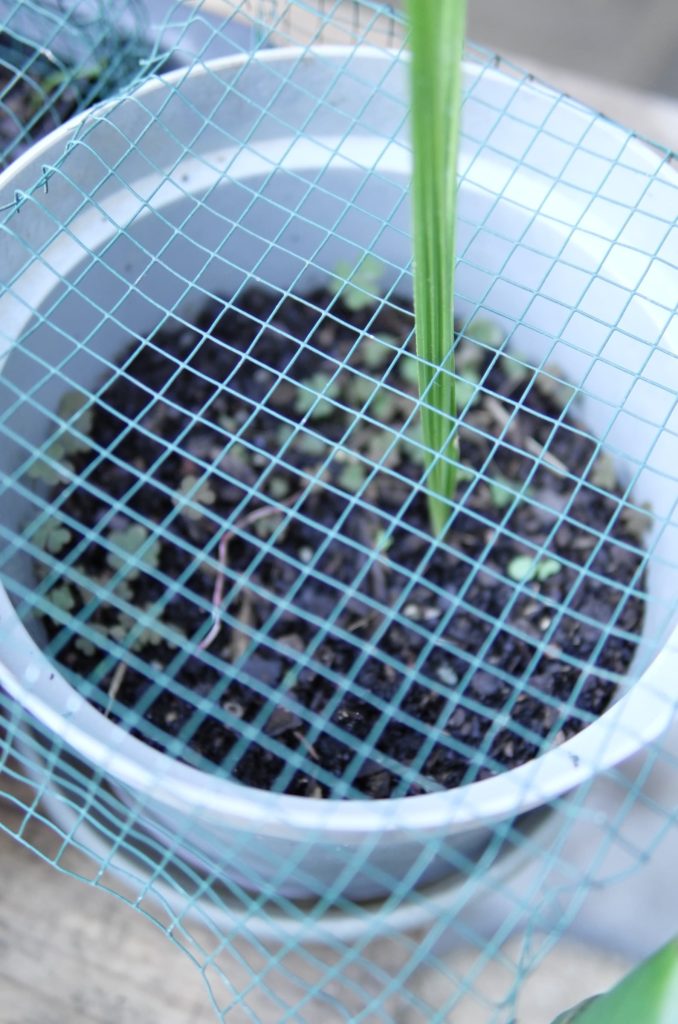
648,994
437,40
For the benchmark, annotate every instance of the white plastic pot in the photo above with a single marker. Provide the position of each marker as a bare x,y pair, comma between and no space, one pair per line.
277,168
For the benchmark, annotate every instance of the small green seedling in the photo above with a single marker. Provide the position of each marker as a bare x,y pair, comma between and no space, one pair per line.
516,370
56,465
352,476
408,368
478,336
278,487
307,401
358,287
62,597
137,634
52,536
486,332
465,474
377,352
311,446
73,406
196,495
85,645
502,492
467,389
362,390
524,569
382,541
132,543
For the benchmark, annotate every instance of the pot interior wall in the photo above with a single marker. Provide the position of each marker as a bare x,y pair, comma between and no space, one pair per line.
302,165
290,230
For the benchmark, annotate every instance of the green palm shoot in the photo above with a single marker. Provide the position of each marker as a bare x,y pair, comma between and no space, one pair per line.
436,42
648,995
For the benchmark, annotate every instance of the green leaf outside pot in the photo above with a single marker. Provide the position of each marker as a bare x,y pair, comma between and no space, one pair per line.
648,995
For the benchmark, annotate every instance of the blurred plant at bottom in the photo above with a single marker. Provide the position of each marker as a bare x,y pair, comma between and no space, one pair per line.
647,995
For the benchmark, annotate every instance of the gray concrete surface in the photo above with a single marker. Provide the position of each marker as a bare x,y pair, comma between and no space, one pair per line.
624,41
632,44
75,955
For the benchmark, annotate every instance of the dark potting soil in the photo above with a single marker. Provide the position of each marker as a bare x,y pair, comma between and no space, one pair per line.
450,660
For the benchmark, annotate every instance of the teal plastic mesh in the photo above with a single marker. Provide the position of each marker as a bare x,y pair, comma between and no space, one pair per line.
244,688
58,57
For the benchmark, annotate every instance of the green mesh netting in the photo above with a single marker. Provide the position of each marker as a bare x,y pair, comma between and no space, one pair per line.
243,685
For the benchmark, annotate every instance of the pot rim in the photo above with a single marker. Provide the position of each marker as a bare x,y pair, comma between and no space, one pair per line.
278,924
633,721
